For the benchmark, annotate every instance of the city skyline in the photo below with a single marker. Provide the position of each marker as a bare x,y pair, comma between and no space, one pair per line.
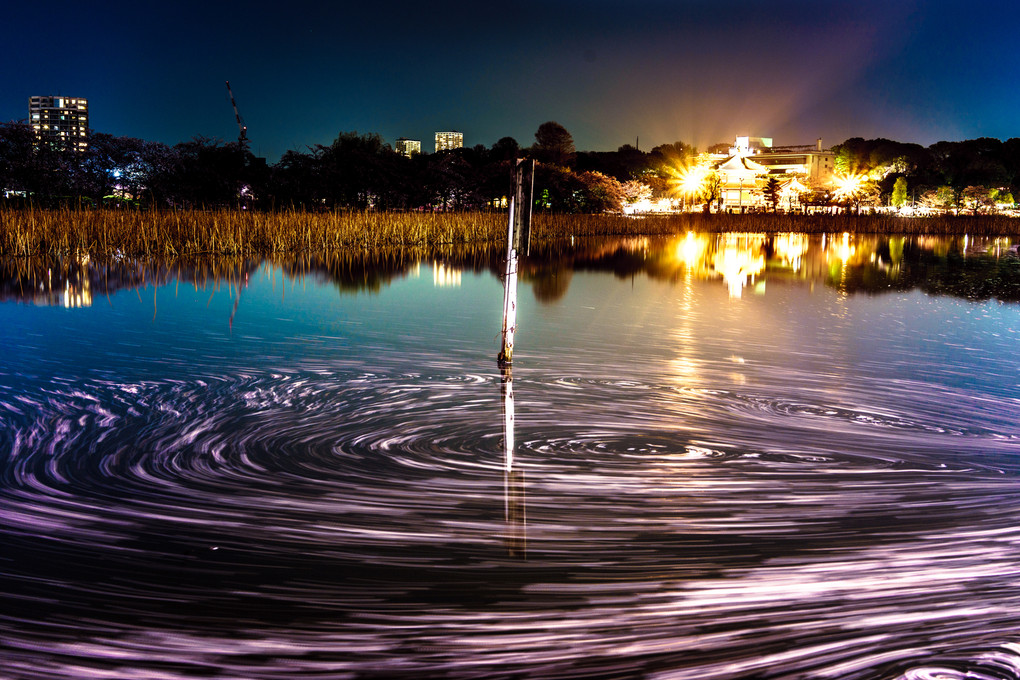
610,73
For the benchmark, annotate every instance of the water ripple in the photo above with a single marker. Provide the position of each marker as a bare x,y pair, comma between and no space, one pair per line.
357,524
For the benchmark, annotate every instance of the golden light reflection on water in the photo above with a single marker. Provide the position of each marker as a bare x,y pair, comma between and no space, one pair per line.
691,249
685,366
846,262
738,261
845,250
77,297
790,248
736,258
444,275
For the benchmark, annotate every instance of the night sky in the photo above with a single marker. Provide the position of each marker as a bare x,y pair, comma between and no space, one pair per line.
611,72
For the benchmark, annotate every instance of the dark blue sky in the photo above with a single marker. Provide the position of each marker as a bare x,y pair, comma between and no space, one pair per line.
700,71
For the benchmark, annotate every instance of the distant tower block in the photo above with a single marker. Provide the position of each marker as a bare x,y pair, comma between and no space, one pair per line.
408,146
61,122
449,140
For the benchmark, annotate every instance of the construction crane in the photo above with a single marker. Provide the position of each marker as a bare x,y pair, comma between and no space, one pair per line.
242,137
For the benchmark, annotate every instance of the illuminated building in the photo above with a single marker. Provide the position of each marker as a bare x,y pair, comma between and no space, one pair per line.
449,140
739,181
746,146
407,147
807,161
61,122
754,160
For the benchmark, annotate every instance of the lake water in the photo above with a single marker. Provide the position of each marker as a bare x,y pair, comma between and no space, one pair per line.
715,457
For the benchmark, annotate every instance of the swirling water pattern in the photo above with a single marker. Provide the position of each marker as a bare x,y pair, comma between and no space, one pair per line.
793,485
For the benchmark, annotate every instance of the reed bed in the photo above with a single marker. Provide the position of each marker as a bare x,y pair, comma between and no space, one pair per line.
27,233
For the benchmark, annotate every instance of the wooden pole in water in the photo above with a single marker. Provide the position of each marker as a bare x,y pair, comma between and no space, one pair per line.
518,240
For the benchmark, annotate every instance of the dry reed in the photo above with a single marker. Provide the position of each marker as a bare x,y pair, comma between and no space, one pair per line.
26,233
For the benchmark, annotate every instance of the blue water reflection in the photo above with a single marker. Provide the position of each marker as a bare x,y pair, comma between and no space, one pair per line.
271,470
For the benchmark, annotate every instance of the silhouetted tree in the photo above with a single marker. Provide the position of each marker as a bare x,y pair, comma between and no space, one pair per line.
505,149
296,181
110,167
553,145
771,193
449,176
626,163
208,173
18,168
355,166
675,155
160,167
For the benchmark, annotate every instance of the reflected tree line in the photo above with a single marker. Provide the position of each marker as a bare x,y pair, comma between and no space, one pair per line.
361,171
974,269
969,268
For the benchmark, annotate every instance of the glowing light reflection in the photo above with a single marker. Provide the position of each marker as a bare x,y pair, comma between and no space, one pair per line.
444,275
739,262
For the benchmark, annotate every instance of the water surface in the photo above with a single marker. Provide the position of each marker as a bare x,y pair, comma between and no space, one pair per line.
729,457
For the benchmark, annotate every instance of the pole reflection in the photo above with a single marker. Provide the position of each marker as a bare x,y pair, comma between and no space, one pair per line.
514,505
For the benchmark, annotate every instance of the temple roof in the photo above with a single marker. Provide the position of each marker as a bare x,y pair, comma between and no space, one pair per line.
741,163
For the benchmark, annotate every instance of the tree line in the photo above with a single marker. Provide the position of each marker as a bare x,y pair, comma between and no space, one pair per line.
360,171
356,171
976,174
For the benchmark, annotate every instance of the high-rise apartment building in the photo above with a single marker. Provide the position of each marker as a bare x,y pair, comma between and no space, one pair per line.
449,140
408,146
61,122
